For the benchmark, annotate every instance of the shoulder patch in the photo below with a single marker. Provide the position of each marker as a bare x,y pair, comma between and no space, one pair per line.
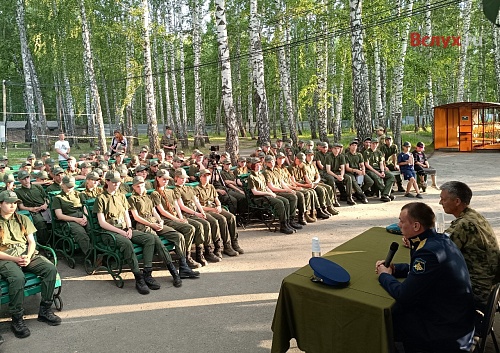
418,266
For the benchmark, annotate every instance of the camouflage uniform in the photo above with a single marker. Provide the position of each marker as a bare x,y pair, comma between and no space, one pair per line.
475,238
273,176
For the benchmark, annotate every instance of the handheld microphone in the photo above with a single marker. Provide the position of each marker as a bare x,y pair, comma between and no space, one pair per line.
390,255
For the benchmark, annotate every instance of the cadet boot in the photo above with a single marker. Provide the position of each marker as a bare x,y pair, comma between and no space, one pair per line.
45,314
343,197
350,201
191,262
140,285
218,249
148,278
284,229
320,214
293,224
326,212
361,197
309,218
185,271
228,249
199,257
236,245
209,254
300,219
332,211
175,275
18,326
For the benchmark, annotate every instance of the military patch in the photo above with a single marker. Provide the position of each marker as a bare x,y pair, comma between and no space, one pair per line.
418,266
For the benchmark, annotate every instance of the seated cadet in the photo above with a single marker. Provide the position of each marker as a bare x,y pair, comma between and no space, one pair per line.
238,204
154,166
34,200
10,182
422,167
26,166
335,167
73,169
390,152
276,185
160,155
355,169
92,186
2,170
191,208
258,185
17,255
176,164
256,152
266,148
44,156
38,166
42,178
85,168
434,310
313,181
169,158
111,208
124,187
321,156
57,176
67,206
224,156
380,174
196,166
405,163
142,171
143,156
5,161
168,208
148,220
119,157
217,216
289,154
274,149
241,168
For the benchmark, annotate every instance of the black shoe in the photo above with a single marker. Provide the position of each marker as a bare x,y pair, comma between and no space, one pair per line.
351,202
401,189
45,314
368,193
294,224
285,229
392,197
18,326
149,280
343,198
409,195
140,285
321,215
337,204
385,198
419,196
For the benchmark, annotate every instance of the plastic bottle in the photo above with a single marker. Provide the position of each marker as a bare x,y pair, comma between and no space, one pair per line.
316,249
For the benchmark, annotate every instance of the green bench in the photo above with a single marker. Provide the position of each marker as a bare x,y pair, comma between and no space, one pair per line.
33,283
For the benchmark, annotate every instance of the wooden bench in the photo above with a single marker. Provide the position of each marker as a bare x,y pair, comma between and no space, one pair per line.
33,283
106,255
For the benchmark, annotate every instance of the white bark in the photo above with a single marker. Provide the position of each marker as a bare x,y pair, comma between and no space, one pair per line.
496,45
462,60
199,120
339,100
321,85
430,94
170,119
183,130
378,86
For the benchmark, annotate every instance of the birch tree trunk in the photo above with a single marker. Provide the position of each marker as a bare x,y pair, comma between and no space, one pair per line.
42,139
250,105
339,100
184,137
378,86
430,95
199,120
257,60
462,59
239,108
157,82
321,85
496,45
148,84
232,140
89,66
170,119
361,97
69,116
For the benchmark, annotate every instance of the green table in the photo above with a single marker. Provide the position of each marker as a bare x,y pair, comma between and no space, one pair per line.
356,318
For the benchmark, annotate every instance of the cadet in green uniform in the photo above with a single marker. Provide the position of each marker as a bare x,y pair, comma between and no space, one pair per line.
148,220
195,167
376,169
34,200
241,168
17,255
474,236
166,205
124,187
324,192
391,152
355,169
274,183
335,166
258,185
10,182
68,207
111,208
57,176
142,171
92,187
239,203
191,208
217,216
321,156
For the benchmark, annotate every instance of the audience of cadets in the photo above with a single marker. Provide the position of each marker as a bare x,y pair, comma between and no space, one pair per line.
289,154
422,167
376,169
142,171
124,187
241,168
355,169
143,156
154,166
405,163
258,185
133,163
57,176
34,200
474,236
111,208
164,200
287,183
9,180
195,167
277,186
92,186
390,152
321,156
297,173
168,142
149,221
160,156
191,208
324,192
235,192
335,166
25,166
85,168
67,206
217,216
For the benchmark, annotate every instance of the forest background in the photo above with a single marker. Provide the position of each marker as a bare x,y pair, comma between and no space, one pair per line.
259,68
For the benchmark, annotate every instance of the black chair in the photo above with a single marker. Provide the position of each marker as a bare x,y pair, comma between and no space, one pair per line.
485,328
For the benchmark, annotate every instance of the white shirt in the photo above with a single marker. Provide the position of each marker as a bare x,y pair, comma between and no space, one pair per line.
63,146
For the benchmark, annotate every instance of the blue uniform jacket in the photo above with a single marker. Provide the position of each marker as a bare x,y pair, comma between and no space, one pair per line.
434,304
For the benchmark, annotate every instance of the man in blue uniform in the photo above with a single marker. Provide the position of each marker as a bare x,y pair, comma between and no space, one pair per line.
434,308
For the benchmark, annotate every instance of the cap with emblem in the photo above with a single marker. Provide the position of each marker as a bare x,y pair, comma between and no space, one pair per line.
138,180
92,176
205,172
388,137
113,176
309,152
242,159
261,155
119,153
328,272
353,142
280,155
42,175
71,158
25,164
46,154
181,173
269,158
31,156
323,144
123,172
163,173
273,145
310,143
287,145
23,174
38,164
374,141
85,165
8,178
57,170
141,168
300,141
266,144
367,139
143,150
227,161
50,161
98,171
82,156
180,152
68,181
337,144
406,144
153,163
107,154
301,156
9,197
198,153
171,154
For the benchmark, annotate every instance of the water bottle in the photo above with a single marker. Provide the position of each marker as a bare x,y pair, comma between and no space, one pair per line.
316,249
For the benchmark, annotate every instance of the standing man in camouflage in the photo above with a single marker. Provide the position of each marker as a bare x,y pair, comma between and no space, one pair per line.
474,236
168,141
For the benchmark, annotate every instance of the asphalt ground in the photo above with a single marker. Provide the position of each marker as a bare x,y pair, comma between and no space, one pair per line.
230,308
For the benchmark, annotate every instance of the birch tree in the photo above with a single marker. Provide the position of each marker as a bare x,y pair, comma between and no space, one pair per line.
462,59
378,86
232,140
496,46
199,120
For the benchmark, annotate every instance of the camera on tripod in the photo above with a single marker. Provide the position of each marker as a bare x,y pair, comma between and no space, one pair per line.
214,157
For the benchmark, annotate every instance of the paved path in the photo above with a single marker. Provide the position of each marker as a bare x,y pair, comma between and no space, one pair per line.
230,308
